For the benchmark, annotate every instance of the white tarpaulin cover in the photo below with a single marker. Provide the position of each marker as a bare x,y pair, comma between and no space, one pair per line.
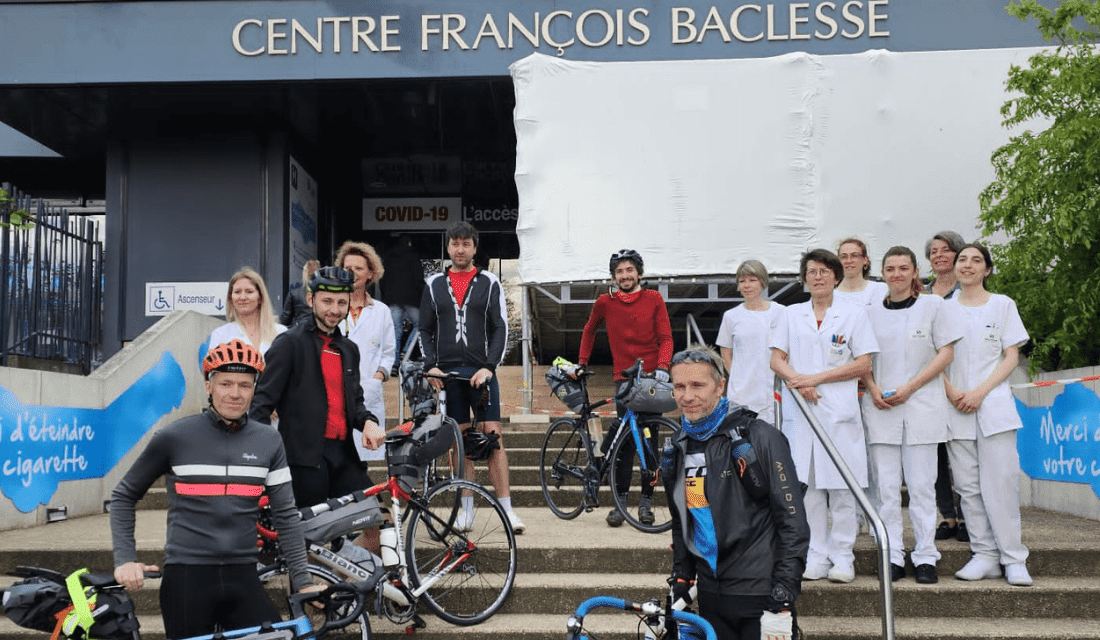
699,165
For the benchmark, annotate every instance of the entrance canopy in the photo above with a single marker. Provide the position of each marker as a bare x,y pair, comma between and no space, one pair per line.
700,165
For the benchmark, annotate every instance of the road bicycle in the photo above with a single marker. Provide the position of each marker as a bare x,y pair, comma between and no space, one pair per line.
460,562
83,605
572,467
653,620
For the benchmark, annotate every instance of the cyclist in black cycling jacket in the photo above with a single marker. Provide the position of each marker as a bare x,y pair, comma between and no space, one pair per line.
738,522
215,464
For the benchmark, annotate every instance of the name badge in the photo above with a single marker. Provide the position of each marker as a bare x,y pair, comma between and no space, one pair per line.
836,352
919,333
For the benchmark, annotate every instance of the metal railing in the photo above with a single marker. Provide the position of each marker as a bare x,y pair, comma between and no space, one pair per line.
881,538
691,329
51,286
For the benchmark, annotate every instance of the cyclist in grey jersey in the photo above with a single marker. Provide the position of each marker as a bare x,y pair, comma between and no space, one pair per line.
216,465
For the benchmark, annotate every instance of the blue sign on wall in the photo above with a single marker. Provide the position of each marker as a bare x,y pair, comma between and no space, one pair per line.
1062,441
41,445
96,42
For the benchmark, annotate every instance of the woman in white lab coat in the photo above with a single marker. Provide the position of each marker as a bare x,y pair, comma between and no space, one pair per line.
248,313
854,287
745,339
984,421
905,407
820,350
369,325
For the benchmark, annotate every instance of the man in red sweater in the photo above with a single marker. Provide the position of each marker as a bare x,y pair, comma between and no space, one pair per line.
637,327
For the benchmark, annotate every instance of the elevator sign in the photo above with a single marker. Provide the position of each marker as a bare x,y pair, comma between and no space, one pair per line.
410,214
162,298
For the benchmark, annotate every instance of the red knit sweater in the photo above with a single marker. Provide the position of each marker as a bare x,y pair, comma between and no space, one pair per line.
636,329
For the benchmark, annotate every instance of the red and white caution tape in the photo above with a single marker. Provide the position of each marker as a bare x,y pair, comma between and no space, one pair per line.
1051,383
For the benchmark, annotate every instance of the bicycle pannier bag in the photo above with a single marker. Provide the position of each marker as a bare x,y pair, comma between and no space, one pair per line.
649,395
428,440
360,512
565,389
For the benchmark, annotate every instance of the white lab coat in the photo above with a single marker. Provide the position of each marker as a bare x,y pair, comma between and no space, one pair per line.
373,333
748,334
872,294
908,340
844,335
232,331
987,331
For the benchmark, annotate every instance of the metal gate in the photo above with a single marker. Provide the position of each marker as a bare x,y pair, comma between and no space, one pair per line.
51,285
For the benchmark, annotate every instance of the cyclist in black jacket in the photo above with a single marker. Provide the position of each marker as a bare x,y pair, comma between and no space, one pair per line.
738,523
312,381
464,329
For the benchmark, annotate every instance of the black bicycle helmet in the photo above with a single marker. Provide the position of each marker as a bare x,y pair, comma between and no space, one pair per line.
627,254
479,445
332,279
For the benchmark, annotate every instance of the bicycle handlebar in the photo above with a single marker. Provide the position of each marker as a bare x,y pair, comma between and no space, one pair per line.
337,593
576,622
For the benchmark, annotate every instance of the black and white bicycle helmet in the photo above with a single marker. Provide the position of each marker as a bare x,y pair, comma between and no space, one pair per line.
479,445
627,254
332,279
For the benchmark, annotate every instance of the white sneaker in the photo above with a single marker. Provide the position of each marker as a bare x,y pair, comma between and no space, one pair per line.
1017,575
815,572
513,519
464,521
980,568
842,574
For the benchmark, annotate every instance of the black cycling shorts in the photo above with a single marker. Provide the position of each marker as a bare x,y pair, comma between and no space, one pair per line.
462,398
198,599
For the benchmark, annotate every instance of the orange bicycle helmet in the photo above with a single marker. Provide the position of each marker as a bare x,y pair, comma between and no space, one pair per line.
235,356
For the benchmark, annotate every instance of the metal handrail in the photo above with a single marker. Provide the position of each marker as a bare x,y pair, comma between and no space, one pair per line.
881,539
412,340
690,326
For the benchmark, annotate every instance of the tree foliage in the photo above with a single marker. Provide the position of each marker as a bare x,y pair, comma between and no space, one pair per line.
1046,195
17,218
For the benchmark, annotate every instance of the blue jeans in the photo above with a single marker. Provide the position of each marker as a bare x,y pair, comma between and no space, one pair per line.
400,313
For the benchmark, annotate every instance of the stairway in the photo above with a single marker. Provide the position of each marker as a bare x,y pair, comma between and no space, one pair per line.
563,562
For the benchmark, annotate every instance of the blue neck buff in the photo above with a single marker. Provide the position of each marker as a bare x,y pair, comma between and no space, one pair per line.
702,429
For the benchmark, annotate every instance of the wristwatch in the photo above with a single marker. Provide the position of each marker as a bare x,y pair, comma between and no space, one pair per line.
781,599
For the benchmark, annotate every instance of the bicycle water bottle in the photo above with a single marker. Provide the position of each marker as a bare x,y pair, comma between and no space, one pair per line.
667,453
387,537
595,434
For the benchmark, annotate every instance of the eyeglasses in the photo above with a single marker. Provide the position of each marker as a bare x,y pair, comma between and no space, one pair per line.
818,273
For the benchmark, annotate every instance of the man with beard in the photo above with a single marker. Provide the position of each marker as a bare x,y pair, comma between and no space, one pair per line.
464,330
312,381
637,327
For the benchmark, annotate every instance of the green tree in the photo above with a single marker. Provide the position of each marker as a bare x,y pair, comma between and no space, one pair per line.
1046,195
17,218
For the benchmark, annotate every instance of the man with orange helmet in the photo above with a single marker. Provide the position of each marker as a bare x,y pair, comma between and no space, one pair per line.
215,464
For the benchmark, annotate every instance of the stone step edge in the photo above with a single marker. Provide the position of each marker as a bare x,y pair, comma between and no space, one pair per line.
616,625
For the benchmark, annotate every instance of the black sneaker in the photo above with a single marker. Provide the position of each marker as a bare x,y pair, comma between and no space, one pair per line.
615,518
945,531
897,572
926,574
645,511
962,535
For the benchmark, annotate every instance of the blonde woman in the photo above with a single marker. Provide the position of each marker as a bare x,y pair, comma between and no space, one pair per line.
369,325
248,313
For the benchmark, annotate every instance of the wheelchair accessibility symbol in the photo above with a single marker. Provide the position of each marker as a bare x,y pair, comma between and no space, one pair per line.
161,300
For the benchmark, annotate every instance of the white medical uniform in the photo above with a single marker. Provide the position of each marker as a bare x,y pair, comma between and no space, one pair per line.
233,331
903,439
984,458
844,335
373,333
872,294
748,334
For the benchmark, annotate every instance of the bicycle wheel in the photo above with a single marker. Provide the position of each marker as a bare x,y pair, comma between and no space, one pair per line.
467,576
654,430
449,465
317,617
563,462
